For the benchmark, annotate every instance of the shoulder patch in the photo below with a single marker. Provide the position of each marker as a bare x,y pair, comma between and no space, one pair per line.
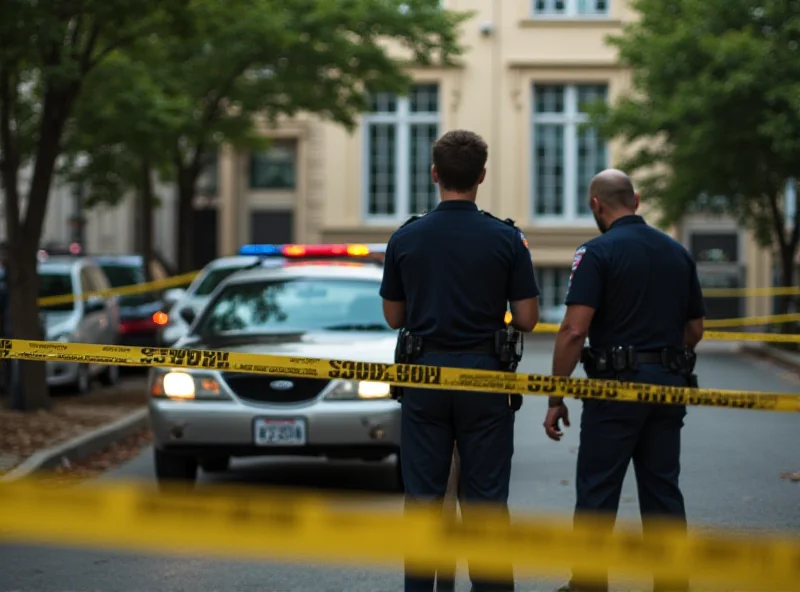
576,261
524,240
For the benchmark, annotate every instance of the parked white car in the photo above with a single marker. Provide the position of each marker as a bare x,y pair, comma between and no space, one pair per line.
91,320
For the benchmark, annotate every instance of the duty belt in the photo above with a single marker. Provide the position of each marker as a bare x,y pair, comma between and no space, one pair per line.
627,358
484,347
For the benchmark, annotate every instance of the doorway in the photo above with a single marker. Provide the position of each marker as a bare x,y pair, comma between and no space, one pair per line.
273,227
205,236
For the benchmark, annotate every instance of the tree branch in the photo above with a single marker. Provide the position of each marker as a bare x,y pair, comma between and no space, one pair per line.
778,222
10,158
86,56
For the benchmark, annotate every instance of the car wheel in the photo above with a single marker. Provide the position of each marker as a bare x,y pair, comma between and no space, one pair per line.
83,383
215,464
175,468
110,376
398,470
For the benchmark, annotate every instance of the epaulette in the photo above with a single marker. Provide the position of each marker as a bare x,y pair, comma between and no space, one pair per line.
507,221
413,218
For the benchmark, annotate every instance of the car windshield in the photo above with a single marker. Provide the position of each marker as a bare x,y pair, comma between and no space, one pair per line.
55,284
214,278
296,305
120,275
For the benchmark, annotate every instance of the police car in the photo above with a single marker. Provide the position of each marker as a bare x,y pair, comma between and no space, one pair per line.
314,301
196,295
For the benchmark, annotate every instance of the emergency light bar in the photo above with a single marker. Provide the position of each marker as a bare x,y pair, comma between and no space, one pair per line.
299,251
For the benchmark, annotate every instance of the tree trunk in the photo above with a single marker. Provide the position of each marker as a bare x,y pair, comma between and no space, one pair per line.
23,282
185,220
146,217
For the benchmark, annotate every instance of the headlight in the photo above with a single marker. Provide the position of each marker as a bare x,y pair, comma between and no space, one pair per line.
351,391
184,386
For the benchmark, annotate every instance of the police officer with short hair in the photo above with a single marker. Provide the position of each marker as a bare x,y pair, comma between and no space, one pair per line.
635,292
448,278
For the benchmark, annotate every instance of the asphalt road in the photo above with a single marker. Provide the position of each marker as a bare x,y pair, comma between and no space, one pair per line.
732,462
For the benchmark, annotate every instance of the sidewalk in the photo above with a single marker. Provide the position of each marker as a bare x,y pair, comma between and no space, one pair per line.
788,360
73,429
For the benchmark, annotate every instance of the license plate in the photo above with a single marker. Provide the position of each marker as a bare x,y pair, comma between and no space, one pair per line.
280,432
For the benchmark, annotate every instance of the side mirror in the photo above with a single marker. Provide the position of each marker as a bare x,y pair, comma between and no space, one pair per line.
173,295
94,304
188,315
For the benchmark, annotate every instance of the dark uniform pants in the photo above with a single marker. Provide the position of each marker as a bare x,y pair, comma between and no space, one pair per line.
482,424
613,434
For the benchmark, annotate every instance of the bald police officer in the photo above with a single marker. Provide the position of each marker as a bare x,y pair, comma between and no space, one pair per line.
448,279
635,292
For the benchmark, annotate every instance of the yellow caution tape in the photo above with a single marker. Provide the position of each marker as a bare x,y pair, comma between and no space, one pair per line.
738,292
289,525
750,321
718,323
417,376
171,282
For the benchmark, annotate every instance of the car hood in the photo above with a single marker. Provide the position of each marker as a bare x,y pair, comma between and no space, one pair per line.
360,346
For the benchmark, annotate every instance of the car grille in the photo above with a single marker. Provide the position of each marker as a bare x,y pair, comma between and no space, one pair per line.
262,389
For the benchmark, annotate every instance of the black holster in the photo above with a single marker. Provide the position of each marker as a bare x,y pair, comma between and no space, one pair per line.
407,349
508,348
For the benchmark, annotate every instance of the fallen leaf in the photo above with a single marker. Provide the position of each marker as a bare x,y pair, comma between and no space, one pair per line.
564,482
791,476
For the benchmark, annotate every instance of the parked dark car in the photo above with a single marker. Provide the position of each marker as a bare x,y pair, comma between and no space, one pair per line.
141,315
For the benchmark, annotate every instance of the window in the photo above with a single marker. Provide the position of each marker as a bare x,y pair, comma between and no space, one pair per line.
570,8
209,176
302,304
274,168
791,202
56,284
398,136
553,283
213,278
119,275
566,154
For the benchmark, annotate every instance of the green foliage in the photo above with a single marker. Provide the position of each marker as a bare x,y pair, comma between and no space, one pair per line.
716,104
181,95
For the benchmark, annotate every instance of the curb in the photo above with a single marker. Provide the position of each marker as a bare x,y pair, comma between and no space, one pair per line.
80,447
777,356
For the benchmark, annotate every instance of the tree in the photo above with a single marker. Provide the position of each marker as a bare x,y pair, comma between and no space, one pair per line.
239,59
47,49
715,105
123,125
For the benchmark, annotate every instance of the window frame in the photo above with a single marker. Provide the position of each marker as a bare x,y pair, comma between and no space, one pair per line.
570,12
255,155
402,118
546,278
571,119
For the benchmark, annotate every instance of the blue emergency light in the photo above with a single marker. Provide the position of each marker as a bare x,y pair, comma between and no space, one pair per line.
300,251
260,250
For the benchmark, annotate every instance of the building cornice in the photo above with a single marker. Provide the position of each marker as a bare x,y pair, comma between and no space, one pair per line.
534,64
570,23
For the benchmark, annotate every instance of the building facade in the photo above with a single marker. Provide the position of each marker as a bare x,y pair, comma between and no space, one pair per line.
530,68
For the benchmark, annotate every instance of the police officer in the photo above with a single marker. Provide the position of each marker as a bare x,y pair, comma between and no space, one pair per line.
448,278
634,291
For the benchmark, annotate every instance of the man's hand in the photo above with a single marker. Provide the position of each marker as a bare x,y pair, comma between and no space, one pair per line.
556,413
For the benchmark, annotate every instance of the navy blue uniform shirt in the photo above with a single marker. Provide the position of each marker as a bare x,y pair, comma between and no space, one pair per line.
457,269
642,284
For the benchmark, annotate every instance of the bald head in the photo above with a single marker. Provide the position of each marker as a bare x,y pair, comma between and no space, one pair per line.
613,189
